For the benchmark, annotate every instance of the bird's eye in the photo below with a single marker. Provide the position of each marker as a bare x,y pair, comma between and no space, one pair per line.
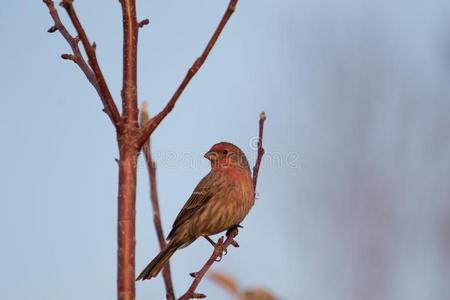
225,152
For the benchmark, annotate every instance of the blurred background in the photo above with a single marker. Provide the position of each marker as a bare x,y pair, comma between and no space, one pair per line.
353,196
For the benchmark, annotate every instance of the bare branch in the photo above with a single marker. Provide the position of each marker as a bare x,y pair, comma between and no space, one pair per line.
151,124
100,84
151,167
221,246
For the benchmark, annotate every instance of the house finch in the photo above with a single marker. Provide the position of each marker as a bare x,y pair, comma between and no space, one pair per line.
220,201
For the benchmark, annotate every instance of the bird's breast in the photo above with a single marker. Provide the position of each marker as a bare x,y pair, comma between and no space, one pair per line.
243,196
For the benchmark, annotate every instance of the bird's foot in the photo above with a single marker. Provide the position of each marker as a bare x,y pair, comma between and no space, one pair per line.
219,249
214,244
233,231
222,251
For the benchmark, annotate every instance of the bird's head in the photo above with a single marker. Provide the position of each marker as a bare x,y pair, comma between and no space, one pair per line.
225,155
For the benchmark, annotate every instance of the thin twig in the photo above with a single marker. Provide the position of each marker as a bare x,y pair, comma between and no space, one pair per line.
110,107
76,57
221,246
262,119
151,124
151,167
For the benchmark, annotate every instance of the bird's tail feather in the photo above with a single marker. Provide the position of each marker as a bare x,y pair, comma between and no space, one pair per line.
155,266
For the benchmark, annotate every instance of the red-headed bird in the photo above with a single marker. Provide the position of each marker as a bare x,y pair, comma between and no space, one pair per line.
220,201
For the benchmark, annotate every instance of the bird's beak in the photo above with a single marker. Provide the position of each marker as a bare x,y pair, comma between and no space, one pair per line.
210,155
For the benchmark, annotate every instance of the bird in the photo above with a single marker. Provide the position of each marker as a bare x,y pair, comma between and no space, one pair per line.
219,202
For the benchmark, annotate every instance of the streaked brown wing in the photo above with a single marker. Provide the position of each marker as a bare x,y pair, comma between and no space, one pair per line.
203,192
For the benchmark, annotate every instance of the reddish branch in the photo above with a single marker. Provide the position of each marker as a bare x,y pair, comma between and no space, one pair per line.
128,157
222,246
76,57
151,167
151,124
129,89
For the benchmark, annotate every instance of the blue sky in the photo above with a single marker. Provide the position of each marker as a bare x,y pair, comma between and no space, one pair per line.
353,196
